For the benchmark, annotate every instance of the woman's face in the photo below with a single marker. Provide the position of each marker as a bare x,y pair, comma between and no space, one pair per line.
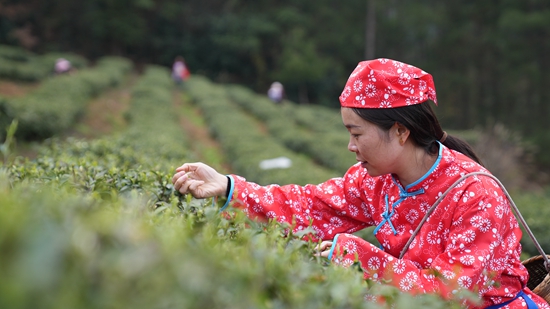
377,150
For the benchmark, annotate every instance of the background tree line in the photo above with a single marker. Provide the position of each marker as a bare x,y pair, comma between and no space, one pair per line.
489,58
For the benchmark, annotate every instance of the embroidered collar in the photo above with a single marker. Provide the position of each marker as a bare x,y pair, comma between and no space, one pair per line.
403,194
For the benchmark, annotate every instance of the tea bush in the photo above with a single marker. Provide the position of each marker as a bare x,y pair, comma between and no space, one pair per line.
21,65
140,159
245,144
322,136
153,122
68,250
59,101
534,207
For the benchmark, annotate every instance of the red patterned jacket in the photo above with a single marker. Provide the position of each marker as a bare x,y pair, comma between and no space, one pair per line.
471,241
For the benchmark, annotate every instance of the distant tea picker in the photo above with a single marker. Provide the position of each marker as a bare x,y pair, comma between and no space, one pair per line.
180,71
470,241
62,66
276,92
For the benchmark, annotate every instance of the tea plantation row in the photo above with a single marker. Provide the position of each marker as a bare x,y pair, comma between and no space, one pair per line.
58,102
21,65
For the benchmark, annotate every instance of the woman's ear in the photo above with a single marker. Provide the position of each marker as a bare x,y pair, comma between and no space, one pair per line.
401,132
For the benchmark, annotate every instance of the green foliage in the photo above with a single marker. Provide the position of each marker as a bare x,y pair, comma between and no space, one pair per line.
14,53
139,159
19,64
310,129
154,127
311,46
300,63
85,250
244,144
60,100
5,109
104,239
104,169
71,251
534,208
7,146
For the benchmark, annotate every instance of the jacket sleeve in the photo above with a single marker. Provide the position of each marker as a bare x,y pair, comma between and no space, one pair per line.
480,253
325,207
385,268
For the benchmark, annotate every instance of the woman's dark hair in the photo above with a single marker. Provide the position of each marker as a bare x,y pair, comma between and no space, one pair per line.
420,119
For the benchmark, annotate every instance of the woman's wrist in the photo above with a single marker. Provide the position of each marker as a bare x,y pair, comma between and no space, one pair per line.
228,186
223,183
229,192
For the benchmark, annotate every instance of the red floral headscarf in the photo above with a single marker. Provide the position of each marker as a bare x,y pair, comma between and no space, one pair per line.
386,83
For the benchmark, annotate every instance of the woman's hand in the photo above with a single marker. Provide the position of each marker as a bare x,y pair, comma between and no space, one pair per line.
200,180
323,249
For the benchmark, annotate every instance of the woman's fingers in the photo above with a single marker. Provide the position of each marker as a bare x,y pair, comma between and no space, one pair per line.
324,245
185,183
199,179
322,253
323,249
194,186
177,175
189,167
179,179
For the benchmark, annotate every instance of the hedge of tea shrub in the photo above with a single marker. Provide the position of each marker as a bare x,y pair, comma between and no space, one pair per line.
59,101
534,207
19,64
153,119
69,250
245,144
312,130
142,157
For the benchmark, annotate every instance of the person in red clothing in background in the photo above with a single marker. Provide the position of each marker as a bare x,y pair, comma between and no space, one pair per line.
471,241
180,71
